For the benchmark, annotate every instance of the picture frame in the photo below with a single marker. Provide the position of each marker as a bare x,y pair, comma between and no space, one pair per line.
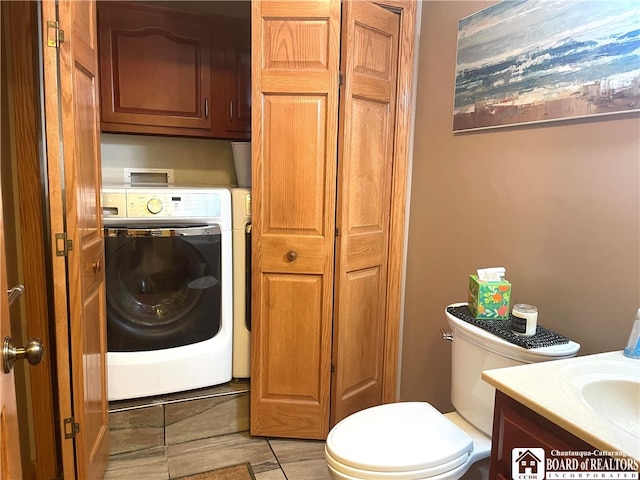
528,61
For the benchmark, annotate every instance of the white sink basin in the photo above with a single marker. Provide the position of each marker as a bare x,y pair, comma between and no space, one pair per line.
609,388
617,401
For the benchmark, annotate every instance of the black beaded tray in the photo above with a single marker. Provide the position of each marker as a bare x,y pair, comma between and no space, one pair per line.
502,328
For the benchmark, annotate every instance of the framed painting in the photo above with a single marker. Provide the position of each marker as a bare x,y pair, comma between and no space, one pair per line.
527,61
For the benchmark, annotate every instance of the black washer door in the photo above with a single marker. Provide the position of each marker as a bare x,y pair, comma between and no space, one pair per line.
163,287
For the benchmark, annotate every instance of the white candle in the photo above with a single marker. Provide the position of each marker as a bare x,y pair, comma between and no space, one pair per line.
525,320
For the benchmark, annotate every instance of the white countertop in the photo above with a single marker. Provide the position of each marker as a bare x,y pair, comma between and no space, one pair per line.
552,389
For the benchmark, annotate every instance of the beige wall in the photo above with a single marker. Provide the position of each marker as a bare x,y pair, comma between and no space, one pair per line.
195,161
557,204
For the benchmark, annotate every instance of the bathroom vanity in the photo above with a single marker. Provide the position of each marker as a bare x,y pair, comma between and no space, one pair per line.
516,426
578,404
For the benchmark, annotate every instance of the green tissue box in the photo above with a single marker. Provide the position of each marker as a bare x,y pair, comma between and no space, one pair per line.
489,300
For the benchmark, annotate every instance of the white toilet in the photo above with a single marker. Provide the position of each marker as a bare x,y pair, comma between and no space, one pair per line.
412,440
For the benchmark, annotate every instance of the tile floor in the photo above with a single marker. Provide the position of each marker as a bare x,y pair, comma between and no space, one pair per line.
271,459
171,436
168,437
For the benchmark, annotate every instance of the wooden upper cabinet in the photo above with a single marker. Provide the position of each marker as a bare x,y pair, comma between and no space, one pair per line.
154,69
162,71
238,75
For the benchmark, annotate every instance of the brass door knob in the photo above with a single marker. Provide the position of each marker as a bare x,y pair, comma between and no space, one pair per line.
291,255
33,352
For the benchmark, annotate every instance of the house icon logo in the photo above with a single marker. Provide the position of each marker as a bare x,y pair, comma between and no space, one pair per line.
527,464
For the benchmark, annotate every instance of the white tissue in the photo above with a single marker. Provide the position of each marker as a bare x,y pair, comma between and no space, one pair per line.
493,274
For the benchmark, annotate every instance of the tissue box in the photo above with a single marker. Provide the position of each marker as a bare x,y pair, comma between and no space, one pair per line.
489,300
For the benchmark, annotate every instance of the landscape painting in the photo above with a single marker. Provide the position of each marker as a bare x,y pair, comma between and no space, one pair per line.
525,61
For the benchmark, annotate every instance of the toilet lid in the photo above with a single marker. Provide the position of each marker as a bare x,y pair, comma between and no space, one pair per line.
397,437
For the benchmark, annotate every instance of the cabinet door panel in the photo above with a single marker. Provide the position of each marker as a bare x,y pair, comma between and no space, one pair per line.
294,183
155,68
363,379
292,373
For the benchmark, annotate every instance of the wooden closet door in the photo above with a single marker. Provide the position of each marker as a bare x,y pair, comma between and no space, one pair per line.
74,176
366,157
294,124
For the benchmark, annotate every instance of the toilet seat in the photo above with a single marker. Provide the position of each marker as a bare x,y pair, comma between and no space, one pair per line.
338,472
409,440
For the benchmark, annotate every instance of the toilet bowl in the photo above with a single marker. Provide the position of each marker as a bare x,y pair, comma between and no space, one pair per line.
407,441
413,440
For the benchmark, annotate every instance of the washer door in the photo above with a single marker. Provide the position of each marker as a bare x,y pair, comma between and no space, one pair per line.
163,287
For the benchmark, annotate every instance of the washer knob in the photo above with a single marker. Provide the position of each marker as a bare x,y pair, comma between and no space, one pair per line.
155,205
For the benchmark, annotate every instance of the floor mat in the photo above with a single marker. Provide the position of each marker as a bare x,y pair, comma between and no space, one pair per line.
236,472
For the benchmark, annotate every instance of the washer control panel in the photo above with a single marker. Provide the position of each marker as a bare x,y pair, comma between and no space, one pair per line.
169,204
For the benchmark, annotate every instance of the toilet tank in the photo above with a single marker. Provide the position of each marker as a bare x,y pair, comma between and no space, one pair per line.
474,350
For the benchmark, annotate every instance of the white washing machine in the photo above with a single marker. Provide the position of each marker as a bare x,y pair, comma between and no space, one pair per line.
168,255
241,221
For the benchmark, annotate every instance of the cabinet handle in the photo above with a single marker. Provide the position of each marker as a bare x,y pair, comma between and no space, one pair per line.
231,110
206,108
291,255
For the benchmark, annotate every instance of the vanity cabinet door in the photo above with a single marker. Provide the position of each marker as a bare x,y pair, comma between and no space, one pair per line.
155,70
516,426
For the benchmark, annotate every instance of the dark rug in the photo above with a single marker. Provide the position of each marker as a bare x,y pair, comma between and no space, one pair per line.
236,472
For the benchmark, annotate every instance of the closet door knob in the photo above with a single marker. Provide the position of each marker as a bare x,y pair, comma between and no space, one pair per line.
291,255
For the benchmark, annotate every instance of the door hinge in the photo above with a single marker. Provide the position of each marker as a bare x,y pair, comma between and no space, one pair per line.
340,78
337,231
55,35
333,368
71,428
63,245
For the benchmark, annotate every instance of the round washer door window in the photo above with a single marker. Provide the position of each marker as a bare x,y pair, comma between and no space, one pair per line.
155,282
